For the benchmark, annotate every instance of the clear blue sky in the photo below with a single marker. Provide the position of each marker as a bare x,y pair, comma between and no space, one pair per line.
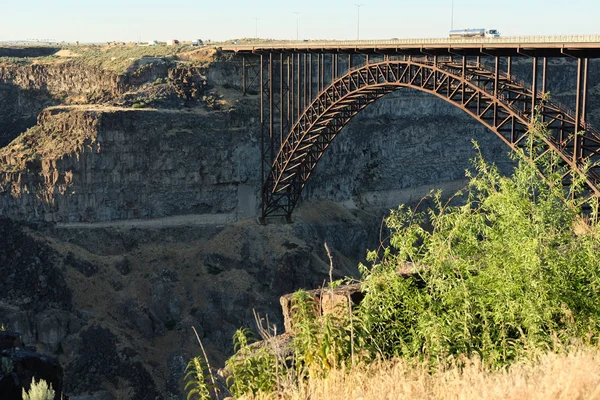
126,20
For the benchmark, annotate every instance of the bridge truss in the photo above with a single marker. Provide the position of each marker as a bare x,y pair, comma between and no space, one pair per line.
308,96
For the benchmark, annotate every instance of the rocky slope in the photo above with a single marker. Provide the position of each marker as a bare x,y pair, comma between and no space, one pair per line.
116,305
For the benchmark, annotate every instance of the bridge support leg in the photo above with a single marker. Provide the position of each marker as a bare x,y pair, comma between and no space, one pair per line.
271,121
281,86
322,72
310,85
577,113
580,108
534,77
544,75
289,82
304,86
244,76
585,89
496,86
464,77
263,167
544,81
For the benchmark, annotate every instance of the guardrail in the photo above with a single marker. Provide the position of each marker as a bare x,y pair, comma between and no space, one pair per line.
432,41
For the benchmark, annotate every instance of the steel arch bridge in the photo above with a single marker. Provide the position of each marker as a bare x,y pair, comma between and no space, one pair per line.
305,104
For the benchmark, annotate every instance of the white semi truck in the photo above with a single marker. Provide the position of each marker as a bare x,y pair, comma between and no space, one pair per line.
474,33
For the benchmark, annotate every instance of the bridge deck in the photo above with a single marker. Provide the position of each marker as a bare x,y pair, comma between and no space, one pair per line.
541,46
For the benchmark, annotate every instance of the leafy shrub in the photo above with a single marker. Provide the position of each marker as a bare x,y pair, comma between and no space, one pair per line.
252,370
39,391
321,343
502,277
197,375
138,105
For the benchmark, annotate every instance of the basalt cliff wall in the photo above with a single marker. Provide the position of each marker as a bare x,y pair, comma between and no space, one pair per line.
100,165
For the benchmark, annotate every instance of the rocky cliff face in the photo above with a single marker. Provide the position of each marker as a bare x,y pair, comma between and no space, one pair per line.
25,90
106,164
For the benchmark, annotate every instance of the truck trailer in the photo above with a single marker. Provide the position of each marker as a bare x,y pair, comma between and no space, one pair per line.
474,33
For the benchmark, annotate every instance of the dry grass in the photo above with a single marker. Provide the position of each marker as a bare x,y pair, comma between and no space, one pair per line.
117,58
556,376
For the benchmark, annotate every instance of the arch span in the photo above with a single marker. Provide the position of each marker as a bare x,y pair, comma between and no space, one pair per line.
499,102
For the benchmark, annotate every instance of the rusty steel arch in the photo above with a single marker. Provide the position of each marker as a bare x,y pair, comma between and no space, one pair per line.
498,101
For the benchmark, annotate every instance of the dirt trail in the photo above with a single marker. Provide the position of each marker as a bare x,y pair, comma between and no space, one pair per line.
167,222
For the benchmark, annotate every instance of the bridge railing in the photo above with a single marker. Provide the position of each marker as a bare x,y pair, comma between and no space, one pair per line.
423,41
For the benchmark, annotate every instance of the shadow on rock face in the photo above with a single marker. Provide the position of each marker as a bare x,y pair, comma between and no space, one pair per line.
101,361
20,364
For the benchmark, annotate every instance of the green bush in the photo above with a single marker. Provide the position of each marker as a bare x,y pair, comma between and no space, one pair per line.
252,370
503,276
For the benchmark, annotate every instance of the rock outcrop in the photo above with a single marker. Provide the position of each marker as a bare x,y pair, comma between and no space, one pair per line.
85,165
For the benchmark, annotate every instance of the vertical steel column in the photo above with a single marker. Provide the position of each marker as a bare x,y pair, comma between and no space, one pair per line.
496,82
293,89
509,67
244,76
298,92
584,90
544,81
281,119
318,73
349,62
289,110
464,77
534,87
478,61
544,75
271,127
322,72
577,113
367,59
333,67
584,103
310,85
263,202
304,83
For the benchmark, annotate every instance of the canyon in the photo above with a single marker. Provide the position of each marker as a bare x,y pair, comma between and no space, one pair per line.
128,205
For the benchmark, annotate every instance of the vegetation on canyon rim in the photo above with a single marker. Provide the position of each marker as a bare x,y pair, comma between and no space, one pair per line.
511,274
